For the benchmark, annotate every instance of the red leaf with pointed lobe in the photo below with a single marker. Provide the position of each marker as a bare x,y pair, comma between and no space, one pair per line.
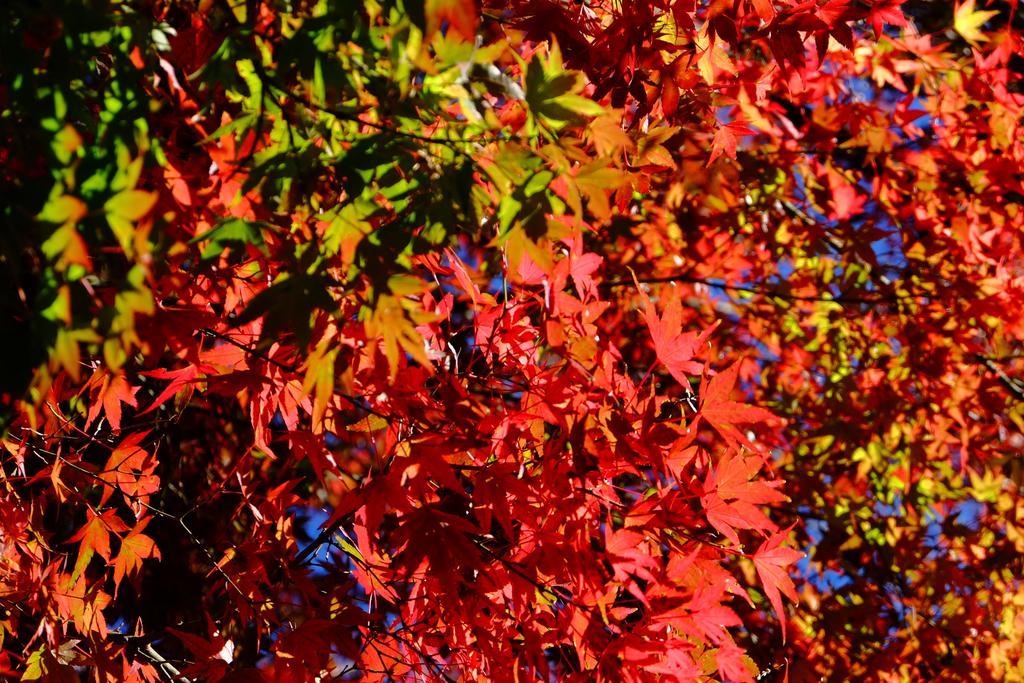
731,498
772,560
723,413
112,390
674,348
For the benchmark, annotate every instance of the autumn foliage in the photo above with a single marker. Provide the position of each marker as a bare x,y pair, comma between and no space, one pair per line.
618,340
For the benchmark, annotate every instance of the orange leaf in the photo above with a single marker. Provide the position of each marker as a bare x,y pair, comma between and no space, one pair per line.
135,547
460,15
130,468
95,538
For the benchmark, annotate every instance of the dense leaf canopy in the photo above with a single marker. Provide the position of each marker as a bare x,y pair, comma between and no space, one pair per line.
620,340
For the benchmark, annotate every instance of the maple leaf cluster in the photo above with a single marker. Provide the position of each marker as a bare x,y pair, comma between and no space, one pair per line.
453,340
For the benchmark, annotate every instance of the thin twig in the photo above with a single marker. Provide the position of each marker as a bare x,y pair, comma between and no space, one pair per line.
765,291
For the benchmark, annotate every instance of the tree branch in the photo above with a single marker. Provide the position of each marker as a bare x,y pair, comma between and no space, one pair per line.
762,290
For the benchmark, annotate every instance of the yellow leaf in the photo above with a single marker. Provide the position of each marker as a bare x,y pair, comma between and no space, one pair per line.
967,22
43,665
240,9
131,204
712,57
319,378
63,209
389,323
66,142
370,423
123,210
66,246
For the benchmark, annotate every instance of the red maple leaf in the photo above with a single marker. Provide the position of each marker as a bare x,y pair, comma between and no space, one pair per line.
731,498
722,413
886,12
110,390
209,662
771,561
726,138
674,348
180,379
